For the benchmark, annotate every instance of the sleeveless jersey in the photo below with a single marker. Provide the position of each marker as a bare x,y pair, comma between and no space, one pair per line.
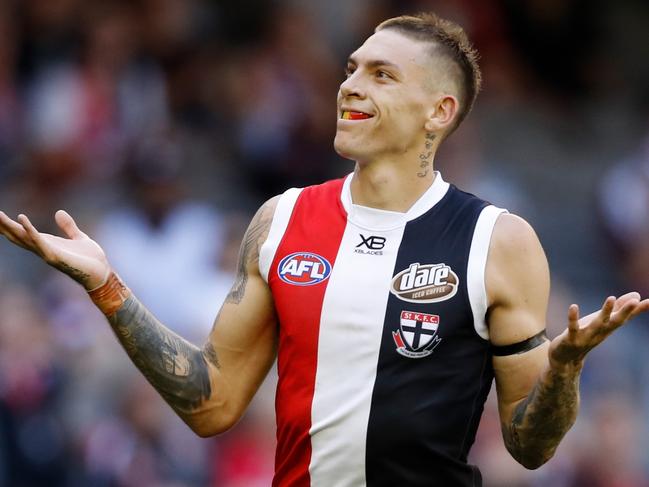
383,358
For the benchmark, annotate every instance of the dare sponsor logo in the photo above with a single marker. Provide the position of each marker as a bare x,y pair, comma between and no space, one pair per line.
303,269
425,283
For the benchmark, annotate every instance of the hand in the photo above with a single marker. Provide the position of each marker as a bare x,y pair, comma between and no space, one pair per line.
77,255
570,348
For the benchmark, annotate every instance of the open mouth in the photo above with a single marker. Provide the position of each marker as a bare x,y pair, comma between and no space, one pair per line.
352,115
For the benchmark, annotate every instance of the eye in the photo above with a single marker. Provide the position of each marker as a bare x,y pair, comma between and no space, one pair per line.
383,74
349,70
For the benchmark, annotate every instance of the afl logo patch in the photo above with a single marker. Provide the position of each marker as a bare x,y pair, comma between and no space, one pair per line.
425,283
303,269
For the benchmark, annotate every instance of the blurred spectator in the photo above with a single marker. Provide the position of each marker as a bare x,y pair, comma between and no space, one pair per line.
624,203
33,450
11,105
167,244
142,445
83,115
285,105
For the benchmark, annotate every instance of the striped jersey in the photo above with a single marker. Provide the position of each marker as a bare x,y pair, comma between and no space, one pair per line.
383,358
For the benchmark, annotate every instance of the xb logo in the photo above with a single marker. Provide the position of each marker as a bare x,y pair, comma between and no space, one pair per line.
372,242
373,245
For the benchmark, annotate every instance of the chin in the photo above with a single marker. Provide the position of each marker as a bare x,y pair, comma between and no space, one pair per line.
347,148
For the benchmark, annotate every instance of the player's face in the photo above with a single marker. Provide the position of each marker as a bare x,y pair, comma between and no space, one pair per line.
384,102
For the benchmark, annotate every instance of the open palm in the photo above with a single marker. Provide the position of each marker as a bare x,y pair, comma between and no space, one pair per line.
582,335
76,254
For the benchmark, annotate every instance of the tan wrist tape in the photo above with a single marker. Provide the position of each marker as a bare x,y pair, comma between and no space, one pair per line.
110,296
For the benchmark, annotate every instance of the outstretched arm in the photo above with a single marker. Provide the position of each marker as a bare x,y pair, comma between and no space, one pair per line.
538,388
208,387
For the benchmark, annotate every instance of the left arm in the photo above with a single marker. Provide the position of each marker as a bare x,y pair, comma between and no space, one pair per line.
538,389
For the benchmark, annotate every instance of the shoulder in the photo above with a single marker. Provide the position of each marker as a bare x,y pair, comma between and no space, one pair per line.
517,261
260,223
267,209
513,236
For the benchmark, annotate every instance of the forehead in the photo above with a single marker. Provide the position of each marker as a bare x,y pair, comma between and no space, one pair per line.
406,53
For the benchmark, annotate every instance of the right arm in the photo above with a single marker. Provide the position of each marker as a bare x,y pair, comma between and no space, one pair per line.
538,387
208,387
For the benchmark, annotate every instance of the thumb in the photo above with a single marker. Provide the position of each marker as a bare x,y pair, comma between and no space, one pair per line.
68,225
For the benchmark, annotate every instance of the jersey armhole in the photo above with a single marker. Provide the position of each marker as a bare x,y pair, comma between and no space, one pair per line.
477,265
281,218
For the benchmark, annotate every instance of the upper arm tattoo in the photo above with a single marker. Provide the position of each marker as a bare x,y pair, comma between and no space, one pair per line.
249,252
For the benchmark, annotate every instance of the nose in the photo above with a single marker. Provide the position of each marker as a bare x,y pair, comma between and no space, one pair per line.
352,87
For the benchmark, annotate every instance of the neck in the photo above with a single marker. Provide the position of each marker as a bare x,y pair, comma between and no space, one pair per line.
389,187
395,184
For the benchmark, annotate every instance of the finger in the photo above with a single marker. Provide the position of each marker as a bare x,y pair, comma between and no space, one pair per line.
68,225
37,239
622,300
619,317
642,307
573,319
13,231
607,309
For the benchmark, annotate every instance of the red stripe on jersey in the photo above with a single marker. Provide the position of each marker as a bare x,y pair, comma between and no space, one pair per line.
316,227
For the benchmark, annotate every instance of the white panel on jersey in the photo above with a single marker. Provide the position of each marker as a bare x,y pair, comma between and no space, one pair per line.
282,216
475,273
351,328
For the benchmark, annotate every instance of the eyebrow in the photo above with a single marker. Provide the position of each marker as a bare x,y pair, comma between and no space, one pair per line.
374,63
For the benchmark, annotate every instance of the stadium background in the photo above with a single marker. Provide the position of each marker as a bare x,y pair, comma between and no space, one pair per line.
162,124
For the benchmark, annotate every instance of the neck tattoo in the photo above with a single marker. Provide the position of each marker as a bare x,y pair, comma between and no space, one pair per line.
425,158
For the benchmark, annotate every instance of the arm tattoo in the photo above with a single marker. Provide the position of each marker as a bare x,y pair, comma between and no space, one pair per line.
426,156
175,367
249,252
178,370
76,274
542,419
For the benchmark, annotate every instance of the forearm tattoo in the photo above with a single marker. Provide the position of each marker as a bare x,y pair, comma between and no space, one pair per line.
179,370
176,368
542,419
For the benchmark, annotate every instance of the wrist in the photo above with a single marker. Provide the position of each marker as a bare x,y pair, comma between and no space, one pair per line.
567,369
111,295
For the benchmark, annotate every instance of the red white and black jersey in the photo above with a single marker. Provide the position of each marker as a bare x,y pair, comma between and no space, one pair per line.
384,360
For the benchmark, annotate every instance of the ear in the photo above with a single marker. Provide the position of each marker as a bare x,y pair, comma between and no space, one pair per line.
442,114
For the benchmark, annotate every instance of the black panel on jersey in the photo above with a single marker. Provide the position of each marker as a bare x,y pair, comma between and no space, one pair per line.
425,411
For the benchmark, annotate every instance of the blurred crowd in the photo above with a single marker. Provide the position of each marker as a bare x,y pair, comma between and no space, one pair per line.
161,125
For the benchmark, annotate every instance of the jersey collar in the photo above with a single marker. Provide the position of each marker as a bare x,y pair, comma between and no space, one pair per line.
375,219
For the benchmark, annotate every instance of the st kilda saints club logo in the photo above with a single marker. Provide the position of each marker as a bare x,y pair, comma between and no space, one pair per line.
417,334
303,269
425,283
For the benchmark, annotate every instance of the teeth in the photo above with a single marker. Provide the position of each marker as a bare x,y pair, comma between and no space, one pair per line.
349,115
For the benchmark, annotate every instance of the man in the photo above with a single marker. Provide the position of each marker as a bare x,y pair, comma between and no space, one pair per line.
390,297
